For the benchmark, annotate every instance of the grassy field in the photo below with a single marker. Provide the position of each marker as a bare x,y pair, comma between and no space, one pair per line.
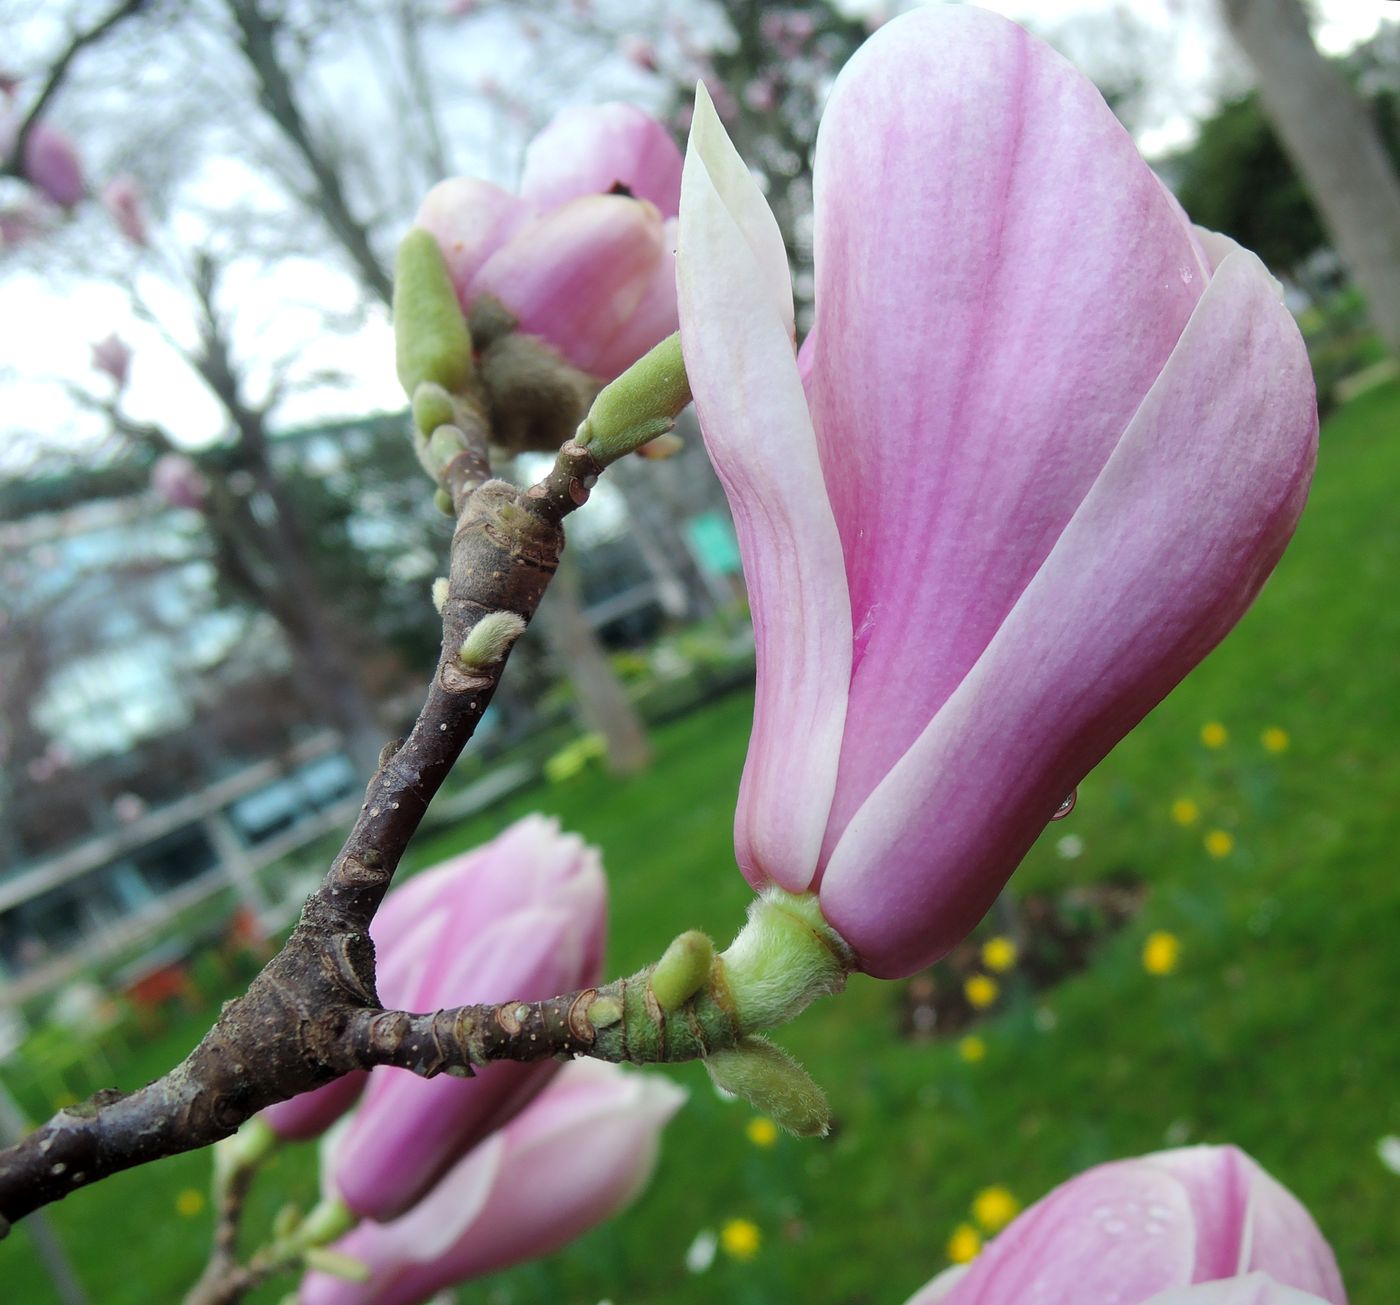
1277,1029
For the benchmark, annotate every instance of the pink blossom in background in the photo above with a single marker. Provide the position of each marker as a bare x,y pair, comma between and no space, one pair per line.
19,223
522,918
584,255
178,482
1041,448
1203,1225
122,198
577,1155
51,165
113,356
639,51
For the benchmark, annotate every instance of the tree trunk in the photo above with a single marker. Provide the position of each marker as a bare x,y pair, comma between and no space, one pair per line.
1329,134
602,701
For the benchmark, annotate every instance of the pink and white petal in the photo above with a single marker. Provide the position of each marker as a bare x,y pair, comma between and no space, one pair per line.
999,279
735,336
591,149
470,219
1117,1232
1282,1239
1253,1289
1163,556
652,320
743,200
938,1290
1218,1180
575,276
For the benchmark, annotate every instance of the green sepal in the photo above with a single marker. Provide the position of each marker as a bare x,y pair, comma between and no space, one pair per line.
682,970
431,339
640,405
774,1084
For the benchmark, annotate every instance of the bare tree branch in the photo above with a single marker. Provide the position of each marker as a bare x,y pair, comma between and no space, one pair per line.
14,165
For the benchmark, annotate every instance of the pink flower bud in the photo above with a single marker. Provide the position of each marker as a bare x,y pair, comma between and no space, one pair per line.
122,198
1040,450
581,1152
113,356
523,917
1138,1231
639,51
583,257
178,482
51,165
19,223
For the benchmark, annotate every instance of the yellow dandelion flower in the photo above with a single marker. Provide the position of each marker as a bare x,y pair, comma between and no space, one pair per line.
1214,734
981,991
994,1208
964,1244
740,1239
762,1132
1161,952
1220,843
1185,811
189,1202
999,954
972,1049
1275,740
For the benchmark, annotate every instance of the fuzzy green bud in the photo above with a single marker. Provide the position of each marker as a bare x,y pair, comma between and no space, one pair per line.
432,407
431,340
682,970
784,958
490,639
329,1219
337,1264
639,406
774,1084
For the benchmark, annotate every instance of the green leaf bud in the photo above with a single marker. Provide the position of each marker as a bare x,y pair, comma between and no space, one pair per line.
431,339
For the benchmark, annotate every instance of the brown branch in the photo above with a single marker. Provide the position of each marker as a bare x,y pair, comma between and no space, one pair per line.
298,1026
258,38
14,165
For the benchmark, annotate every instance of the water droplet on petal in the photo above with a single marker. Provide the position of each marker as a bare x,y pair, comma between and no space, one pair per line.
1066,806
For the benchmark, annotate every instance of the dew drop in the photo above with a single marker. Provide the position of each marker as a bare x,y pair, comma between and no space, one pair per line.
1066,806
1187,276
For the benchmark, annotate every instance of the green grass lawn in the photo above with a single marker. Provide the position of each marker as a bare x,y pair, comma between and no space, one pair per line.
1278,1029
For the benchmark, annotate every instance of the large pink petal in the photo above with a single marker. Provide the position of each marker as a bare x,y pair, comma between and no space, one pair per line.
1119,1232
470,219
1165,553
652,320
1000,278
591,149
1254,1289
1217,1181
736,323
1282,1239
575,276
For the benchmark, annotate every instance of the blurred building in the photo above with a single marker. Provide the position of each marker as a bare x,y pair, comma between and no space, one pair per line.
154,749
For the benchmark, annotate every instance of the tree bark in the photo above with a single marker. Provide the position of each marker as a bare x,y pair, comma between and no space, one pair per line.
1330,136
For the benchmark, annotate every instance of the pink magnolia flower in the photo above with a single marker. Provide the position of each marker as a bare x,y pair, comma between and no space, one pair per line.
523,917
112,355
1146,1230
581,1151
1043,445
122,198
51,165
584,255
178,482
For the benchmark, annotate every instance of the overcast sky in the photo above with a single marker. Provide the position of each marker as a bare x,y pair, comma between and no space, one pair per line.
59,318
